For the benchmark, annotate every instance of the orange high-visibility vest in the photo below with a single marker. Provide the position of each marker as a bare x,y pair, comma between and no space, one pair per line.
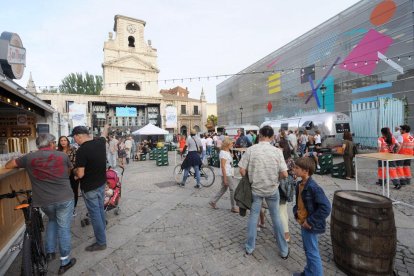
407,146
383,147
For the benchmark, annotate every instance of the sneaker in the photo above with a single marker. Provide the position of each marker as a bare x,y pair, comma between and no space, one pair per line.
74,213
287,256
318,167
197,186
95,247
246,254
64,268
50,257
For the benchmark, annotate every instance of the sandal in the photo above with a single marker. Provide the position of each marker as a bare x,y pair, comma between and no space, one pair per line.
213,205
347,178
235,210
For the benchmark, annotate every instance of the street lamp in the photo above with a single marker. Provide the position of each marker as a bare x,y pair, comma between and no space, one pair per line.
241,114
323,90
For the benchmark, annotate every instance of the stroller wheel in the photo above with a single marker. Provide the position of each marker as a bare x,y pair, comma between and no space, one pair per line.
117,211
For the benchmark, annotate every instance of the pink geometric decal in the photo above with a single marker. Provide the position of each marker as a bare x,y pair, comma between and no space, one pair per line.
362,58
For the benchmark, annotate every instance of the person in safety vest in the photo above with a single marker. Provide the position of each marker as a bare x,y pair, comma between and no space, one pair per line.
388,144
407,147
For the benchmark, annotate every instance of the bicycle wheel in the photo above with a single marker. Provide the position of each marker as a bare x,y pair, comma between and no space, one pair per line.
207,176
27,266
178,174
39,261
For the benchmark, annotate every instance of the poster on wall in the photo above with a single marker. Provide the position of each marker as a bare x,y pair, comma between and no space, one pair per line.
77,113
170,117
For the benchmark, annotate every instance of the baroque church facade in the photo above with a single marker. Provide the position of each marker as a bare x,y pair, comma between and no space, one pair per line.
130,82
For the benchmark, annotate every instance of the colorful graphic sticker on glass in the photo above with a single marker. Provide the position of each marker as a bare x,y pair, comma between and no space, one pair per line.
306,72
274,83
126,112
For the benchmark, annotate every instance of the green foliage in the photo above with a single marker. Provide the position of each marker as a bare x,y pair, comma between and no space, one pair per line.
213,119
76,83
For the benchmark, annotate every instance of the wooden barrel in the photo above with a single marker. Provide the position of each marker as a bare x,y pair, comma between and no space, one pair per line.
363,233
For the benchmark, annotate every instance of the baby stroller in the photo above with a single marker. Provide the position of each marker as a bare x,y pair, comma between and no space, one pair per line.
112,193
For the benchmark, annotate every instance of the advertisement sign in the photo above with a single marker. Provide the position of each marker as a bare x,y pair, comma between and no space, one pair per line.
126,111
77,113
12,55
170,117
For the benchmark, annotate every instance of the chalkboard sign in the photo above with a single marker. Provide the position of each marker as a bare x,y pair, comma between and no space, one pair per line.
42,128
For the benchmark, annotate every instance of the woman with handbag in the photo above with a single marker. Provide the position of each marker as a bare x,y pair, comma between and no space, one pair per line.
348,150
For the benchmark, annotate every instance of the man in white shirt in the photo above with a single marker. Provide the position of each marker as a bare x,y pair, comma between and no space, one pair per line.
204,144
113,151
209,144
293,143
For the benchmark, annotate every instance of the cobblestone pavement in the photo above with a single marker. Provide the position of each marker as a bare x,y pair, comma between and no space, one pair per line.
167,230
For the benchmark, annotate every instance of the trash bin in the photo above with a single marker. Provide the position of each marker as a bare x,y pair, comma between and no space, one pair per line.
363,233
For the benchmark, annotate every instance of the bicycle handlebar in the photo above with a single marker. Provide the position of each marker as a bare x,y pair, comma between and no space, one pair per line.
14,194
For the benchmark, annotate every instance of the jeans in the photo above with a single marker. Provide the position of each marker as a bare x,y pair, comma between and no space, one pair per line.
313,259
203,155
302,149
223,190
197,173
273,204
58,227
112,159
94,201
209,150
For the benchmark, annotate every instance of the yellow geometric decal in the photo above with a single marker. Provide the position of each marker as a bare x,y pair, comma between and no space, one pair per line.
274,83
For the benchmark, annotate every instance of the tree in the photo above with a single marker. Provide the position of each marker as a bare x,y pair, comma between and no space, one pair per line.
76,83
211,122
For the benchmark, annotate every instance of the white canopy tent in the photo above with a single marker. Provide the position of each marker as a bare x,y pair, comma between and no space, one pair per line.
150,129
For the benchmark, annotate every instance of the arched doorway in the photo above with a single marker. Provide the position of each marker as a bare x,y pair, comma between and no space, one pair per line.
183,130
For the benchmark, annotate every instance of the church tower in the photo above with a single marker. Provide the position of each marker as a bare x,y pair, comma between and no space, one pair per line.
130,63
31,87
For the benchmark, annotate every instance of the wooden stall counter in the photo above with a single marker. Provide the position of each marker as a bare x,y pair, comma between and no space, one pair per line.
11,221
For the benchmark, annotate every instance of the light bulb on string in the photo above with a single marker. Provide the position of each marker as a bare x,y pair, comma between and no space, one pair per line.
409,57
398,59
376,62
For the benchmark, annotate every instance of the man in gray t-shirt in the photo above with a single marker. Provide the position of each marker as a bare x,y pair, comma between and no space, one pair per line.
48,170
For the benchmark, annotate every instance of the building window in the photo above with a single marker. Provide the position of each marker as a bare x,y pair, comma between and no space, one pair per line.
183,109
48,101
68,103
131,41
196,110
133,86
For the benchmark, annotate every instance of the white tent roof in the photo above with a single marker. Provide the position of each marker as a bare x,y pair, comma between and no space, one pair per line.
150,129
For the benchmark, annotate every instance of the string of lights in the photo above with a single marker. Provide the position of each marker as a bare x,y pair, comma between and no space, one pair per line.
269,71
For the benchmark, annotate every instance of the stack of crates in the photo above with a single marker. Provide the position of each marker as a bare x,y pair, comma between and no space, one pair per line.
172,147
213,160
152,154
338,170
326,163
143,157
161,155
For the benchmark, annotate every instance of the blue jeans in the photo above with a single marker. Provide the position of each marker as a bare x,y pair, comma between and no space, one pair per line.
197,173
302,149
209,150
94,201
203,155
273,204
58,228
313,259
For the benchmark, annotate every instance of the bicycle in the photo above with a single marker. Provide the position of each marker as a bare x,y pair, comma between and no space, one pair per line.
207,175
34,260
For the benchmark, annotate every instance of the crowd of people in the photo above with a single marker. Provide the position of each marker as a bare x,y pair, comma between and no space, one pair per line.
58,171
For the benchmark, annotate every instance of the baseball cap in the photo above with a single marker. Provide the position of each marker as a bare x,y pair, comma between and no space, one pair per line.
79,130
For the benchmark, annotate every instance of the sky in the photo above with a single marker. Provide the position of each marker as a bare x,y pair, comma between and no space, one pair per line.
193,38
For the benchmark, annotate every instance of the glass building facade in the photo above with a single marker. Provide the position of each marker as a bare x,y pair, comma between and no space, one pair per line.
362,54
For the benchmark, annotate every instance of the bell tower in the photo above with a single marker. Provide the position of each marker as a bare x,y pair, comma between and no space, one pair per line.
130,63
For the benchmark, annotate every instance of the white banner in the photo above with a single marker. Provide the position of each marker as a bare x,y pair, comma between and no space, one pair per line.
77,113
170,117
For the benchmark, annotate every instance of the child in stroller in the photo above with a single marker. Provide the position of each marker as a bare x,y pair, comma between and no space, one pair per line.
112,193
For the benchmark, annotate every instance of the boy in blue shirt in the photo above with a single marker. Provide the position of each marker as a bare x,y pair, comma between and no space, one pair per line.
311,210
